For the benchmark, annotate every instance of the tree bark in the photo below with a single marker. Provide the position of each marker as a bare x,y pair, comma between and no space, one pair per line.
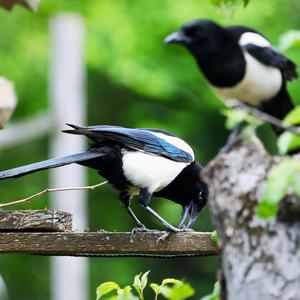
260,258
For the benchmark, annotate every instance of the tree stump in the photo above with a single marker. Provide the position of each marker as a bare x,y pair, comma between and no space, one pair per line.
260,258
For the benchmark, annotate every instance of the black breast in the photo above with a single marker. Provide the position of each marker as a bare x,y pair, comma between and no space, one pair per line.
186,186
225,69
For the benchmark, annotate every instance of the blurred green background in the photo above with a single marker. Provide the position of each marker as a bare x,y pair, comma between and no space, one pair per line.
132,80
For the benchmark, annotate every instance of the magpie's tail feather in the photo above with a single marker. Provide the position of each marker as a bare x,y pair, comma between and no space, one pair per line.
50,163
76,130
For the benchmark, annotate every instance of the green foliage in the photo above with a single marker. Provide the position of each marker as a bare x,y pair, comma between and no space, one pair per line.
133,80
282,179
215,295
229,2
170,288
288,141
214,238
140,282
236,116
289,40
120,294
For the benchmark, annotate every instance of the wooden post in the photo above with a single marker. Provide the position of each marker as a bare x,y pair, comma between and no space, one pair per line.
8,100
67,93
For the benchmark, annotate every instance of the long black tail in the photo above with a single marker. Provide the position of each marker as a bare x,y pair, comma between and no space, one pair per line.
50,163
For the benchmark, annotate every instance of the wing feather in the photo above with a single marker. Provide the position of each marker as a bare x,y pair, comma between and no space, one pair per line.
137,139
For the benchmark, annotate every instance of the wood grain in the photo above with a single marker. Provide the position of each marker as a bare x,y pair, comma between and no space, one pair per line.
35,220
108,244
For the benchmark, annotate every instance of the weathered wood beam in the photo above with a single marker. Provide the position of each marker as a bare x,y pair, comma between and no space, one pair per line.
35,220
108,244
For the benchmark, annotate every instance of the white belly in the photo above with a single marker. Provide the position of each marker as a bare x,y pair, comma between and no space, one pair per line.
260,83
150,171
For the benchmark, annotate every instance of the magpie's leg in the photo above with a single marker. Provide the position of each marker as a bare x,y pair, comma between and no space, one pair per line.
125,199
144,200
140,227
182,226
183,216
234,136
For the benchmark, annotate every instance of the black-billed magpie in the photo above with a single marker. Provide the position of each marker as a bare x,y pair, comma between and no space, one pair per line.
138,162
239,63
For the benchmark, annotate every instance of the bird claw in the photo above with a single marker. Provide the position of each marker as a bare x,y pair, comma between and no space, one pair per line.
135,230
168,233
163,237
184,228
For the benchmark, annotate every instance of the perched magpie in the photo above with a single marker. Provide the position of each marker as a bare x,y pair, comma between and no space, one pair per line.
239,64
138,162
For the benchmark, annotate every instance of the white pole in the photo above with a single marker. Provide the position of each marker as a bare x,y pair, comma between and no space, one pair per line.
67,93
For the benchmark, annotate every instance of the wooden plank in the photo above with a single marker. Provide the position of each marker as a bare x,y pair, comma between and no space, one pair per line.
35,220
108,244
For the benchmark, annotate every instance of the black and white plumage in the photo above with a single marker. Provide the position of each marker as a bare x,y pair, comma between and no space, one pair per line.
138,162
239,64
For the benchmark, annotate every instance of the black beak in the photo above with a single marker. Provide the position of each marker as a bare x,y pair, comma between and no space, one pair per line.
177,37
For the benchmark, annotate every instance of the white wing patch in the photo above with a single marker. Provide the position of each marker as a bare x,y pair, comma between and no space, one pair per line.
177,142
260,82
150,171
253,38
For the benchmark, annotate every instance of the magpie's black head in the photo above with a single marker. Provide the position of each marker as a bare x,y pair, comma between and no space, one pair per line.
198,202
200,37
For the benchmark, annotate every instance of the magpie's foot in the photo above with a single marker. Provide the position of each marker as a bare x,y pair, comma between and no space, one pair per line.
135,230
187,229
164,237
168,233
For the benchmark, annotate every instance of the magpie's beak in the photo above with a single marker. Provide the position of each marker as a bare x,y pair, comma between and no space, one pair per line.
177,37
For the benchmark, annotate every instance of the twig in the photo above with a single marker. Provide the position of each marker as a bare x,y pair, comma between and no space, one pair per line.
48,190
262,116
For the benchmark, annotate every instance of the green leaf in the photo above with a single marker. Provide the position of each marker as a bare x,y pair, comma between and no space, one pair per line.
289,40
216,291
214,238
144,280
106,288
140,282
170,280
215,294
287,142
293,117
178,291
280,180
155,287
125,294
237,116
137,282
229,3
